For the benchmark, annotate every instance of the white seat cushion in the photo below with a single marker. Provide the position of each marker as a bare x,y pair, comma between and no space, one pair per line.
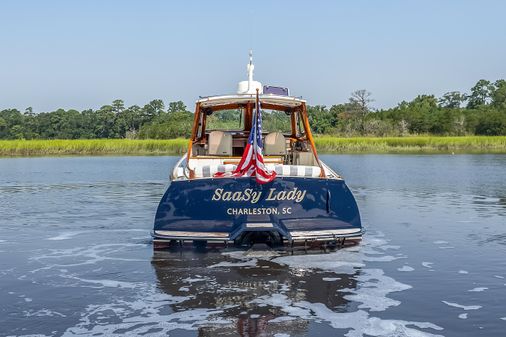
208,171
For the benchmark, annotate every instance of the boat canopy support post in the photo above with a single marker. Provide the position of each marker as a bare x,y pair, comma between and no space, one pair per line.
310,138
196,125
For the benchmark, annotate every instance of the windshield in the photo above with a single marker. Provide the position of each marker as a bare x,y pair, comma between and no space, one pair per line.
233,120
276,121
226,120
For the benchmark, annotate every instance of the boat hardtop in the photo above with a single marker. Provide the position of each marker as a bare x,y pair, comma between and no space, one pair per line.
296,199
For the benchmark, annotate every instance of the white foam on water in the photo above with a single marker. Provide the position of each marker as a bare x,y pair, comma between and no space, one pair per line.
65,236
88,255
385,258
184,289
236,254
146,311
261,254
427,264
465,307
2,241
463,272
150,309
440,242
282,319
478,289
503,318
357,323
281,334
193,280
342,261
463,316
247,263
373,285
330,279
372,290
106,283
405,268
499,276
244,260
42,313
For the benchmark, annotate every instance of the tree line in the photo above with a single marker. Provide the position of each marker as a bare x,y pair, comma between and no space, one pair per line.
482,111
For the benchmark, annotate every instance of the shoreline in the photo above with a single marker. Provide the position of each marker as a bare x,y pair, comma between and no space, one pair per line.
324,144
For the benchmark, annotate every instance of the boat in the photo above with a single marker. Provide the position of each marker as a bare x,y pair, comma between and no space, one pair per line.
304,203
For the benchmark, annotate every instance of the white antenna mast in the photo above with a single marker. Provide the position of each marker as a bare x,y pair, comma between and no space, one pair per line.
250,68
250,86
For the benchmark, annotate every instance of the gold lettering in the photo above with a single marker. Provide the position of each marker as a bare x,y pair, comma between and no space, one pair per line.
291,195
255,197
271,196
217,194
300,196
237,196
281,195
247,194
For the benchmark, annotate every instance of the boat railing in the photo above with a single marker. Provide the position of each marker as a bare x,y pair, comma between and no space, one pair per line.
181,166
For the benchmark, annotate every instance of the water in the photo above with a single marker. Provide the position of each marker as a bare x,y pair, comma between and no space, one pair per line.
76,257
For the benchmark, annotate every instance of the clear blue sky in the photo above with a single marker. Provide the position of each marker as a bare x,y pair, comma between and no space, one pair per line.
84,54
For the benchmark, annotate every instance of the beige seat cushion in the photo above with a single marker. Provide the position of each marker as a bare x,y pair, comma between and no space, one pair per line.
305,158
220,144
275,144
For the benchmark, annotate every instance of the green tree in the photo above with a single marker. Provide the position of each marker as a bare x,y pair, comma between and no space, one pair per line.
480,94
118,106
491,123
452,100
176,107
498,95
154,108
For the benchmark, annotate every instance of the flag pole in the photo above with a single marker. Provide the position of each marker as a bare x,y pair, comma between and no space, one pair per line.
255,121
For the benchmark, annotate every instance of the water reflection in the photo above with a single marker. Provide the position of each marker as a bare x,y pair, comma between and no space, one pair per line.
241,286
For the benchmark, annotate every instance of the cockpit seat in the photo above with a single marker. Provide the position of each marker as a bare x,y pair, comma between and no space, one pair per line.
305,158
275,144
220,144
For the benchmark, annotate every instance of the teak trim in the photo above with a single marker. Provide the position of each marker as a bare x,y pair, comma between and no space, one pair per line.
195,128
310,138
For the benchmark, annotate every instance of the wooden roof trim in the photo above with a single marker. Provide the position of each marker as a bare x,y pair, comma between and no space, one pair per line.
269,106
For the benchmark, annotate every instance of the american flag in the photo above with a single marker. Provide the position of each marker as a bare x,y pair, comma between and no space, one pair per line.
252,161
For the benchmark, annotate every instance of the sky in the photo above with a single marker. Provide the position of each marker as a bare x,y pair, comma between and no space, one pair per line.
84,54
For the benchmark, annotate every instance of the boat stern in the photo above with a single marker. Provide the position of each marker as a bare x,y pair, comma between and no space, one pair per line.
289,211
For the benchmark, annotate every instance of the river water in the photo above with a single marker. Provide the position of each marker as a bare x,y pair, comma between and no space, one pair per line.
76,256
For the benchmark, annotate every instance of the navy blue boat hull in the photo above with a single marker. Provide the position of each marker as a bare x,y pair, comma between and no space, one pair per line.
225,208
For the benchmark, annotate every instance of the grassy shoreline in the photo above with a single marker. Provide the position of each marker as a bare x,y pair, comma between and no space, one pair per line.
325,144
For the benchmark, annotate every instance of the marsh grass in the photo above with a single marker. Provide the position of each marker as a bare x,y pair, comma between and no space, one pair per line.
61,147
325,144
415,144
